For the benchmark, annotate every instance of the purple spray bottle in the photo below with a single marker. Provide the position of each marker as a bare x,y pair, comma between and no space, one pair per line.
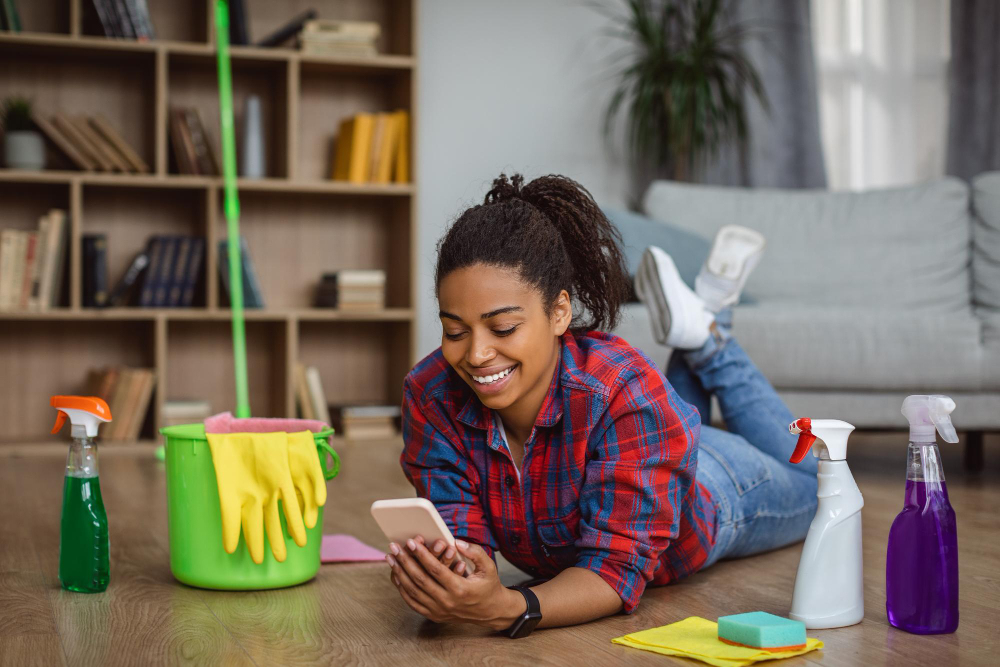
921,568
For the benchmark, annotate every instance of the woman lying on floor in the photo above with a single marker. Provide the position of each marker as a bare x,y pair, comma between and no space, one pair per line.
562,447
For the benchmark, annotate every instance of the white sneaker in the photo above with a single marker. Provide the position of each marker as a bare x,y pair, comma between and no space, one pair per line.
735,253
678,315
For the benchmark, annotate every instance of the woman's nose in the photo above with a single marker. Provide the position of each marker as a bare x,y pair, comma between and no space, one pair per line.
480,351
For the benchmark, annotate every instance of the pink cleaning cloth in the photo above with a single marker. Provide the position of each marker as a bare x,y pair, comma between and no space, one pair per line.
224,422
347,549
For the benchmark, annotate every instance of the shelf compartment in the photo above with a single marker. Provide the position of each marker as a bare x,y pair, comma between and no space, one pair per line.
357,362
129,217
199,362
294,239
180,20
192,84
45,16
327,99
43,360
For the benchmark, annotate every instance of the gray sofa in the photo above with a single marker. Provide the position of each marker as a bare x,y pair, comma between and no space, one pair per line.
861,298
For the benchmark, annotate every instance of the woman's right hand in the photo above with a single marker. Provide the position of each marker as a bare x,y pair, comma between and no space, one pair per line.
447,555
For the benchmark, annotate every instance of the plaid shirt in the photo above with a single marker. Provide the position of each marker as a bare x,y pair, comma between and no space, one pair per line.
608,477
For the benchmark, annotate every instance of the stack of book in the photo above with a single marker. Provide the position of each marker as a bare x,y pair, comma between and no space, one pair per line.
10,17
163,275
33,263
90,143
347,39
253,296
352,290
176,413
309,394
128,392
125,18
373,148
194,151
365,422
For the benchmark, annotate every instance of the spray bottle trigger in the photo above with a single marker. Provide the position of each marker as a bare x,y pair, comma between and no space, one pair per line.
60,420
806,438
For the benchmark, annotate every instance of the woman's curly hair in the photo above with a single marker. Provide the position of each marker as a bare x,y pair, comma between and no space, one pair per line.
553,233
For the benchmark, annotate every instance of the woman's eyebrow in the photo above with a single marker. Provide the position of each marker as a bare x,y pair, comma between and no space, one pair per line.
484,316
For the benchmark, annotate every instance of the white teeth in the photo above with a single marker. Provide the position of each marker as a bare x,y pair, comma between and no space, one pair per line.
489,379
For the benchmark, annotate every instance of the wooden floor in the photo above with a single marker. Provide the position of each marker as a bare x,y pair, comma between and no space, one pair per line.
351,614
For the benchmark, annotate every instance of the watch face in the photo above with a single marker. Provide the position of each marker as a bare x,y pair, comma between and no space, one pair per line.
525,625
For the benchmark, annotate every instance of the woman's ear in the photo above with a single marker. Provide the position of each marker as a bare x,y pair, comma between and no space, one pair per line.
562,313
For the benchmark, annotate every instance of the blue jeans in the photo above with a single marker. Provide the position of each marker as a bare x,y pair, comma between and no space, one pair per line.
762,501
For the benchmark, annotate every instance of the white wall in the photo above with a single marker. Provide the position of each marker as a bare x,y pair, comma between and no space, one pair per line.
515,86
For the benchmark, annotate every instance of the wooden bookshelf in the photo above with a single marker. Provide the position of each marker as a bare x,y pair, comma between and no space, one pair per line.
298,223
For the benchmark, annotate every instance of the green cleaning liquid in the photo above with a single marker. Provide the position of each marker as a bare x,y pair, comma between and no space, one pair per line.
84,564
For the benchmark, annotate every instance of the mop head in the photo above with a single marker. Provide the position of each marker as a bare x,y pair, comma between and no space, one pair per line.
225,422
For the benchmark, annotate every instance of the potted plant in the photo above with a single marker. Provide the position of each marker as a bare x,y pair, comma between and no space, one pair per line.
685,83
24,147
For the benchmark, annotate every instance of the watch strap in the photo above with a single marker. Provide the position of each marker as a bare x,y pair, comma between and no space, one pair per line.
523,625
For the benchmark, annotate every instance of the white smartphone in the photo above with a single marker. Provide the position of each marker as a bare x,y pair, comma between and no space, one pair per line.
405,518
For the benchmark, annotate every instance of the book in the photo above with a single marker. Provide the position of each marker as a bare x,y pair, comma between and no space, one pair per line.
155,252
239,31
384,162
182,143
12,18
104,16
179,272
69,130
334,29
305,403
67,147
170,245
104,128
41,258
375,151
124,23
401,170
136,19
361,140
17,271
95,270
8,253
253,297
357,277
179,412
31,240
289,30
119,395
139,407
204,151
342,157
113,161
124,289
58,243
317,395
194,269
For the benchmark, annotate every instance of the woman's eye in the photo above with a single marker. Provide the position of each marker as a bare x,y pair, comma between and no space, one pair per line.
505,332
453,336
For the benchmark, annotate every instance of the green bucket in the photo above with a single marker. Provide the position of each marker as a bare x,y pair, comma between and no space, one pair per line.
195,522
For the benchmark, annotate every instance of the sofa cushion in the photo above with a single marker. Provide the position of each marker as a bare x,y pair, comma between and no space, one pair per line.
903,248
687,249
813,348
986,256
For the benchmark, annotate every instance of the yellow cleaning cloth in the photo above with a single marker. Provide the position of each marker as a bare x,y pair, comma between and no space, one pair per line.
307,474
253,474
698,639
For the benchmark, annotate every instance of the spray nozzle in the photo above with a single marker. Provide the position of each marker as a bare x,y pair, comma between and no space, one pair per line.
85,413
927,413
832,434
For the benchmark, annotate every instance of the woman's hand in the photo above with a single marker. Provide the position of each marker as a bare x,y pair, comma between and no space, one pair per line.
433,590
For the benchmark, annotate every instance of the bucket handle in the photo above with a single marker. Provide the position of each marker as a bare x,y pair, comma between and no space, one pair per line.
331,472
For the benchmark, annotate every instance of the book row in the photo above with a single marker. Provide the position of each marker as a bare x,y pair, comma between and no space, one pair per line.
373,148
33,264
128,393
355,422
90,143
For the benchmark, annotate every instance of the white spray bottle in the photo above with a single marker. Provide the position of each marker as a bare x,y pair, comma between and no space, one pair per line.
829,585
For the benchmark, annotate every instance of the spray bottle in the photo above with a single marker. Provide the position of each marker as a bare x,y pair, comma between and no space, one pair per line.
84,564
921,567
829,586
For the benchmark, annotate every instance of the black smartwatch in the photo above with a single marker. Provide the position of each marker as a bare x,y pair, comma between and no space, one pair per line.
523,626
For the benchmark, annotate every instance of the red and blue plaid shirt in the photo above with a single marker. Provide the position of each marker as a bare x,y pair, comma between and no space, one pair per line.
608,477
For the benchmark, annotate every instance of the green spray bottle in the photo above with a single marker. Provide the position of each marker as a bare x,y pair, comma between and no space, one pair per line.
84,561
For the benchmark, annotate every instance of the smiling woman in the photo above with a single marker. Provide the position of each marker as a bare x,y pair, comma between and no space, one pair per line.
536,434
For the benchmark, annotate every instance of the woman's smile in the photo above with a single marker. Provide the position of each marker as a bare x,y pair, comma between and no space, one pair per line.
491,381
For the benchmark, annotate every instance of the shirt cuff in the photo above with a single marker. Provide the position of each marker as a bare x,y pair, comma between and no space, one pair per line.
626,579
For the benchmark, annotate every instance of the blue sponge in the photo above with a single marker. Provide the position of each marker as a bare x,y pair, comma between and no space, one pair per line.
758,629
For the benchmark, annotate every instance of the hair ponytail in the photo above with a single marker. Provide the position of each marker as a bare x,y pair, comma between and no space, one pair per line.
554,234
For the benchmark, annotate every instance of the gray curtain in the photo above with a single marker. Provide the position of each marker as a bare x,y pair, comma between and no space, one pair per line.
784,149
974,88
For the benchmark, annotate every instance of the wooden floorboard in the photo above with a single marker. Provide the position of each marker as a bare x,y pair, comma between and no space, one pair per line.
351,614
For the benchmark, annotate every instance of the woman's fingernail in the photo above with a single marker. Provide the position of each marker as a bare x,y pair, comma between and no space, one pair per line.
412,545
394,549
450,552
390,560
460,568
462,543
438,547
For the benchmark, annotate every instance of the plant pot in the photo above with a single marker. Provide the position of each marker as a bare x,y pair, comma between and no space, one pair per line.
24,150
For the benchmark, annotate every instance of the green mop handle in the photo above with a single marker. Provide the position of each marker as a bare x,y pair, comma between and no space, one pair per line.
232,207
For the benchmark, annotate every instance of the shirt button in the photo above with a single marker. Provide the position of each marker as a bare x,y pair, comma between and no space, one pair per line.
515,539
509,480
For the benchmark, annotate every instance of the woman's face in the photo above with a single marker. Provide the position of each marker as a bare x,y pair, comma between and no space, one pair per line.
496,334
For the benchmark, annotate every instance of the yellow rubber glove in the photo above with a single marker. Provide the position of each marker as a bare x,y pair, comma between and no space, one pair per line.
252,473
307,474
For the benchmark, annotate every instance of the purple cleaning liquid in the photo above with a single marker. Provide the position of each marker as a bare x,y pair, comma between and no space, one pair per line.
921,570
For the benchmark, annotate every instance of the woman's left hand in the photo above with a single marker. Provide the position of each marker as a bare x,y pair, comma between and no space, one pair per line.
436,592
